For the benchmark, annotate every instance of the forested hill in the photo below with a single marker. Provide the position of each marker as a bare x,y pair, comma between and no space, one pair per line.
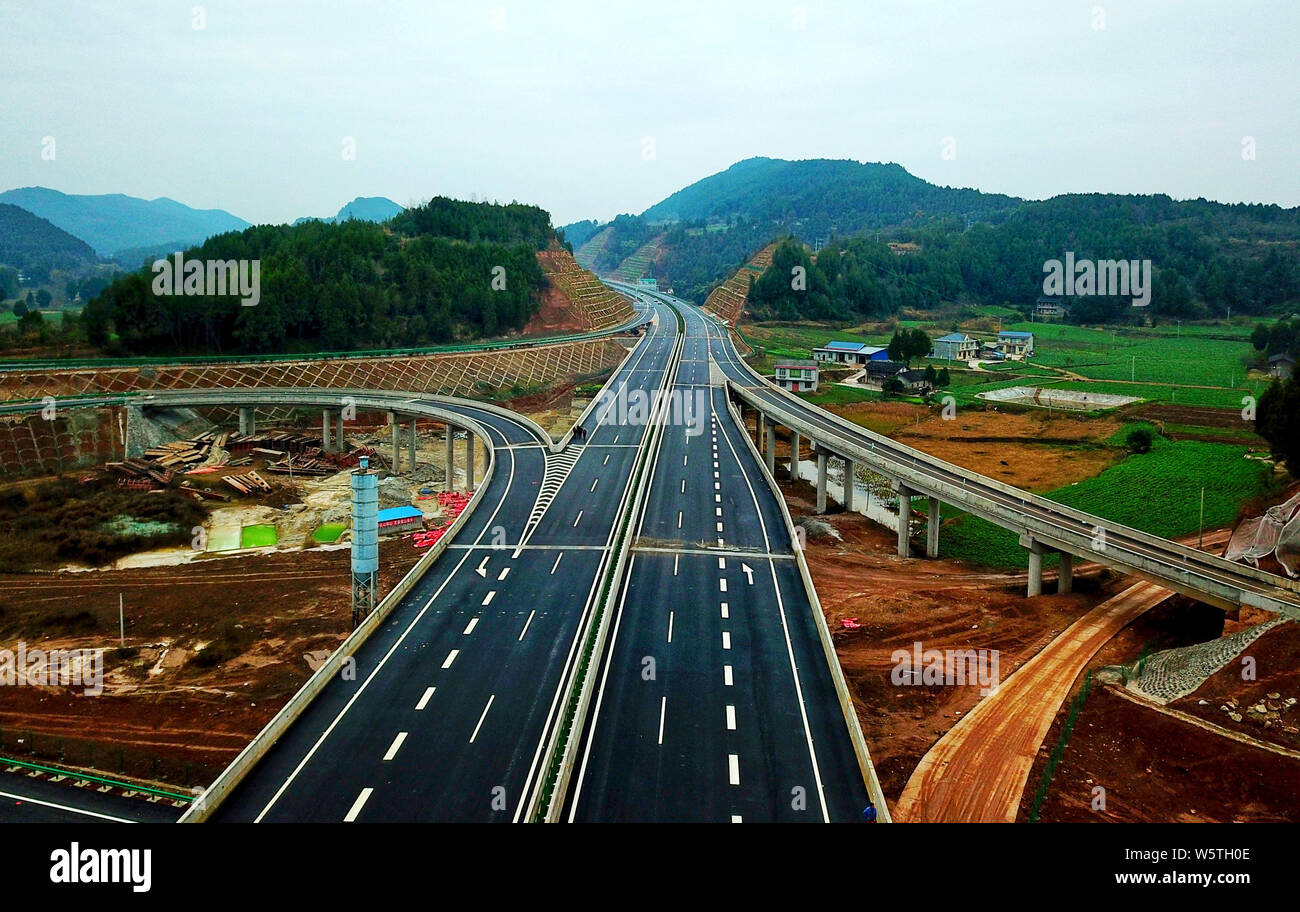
822,196
28,241
442,272
956,246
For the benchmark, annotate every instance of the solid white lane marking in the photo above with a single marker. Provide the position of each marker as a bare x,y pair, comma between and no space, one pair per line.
64,807
663,709
726,675
733,769
487,600
393,748
503,573
451,657
469,628
731,717
358,805
726,640
578,517
526,623
670,626
481,718
424,700
557,562
725,611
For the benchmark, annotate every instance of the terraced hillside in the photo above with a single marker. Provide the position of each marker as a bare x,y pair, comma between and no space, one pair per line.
728,299
587,253
586,304
638,264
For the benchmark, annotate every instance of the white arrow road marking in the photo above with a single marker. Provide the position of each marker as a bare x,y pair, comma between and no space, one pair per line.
481,569
749,572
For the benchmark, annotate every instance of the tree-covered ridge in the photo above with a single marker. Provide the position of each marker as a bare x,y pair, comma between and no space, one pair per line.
354,284
509,223
28,241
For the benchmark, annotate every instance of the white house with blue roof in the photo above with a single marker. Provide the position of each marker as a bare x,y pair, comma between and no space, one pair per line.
857,353
1016,345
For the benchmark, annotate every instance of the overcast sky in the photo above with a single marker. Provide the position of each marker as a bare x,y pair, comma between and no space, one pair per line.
591,109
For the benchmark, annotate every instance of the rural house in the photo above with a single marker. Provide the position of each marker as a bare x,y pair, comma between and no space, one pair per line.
955,347
849,353
1016,345
797,375
1048,307
1280,366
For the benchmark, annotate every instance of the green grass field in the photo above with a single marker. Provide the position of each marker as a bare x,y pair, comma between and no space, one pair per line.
259,536
1158,492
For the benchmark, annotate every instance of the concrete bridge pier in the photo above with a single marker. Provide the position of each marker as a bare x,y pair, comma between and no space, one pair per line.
760,430
247,420
1036,551
821,480
1065,579
770,452
848,483
932,529
410,445
396,465
794,455
325,443
904,520
450,457
133,446
469,461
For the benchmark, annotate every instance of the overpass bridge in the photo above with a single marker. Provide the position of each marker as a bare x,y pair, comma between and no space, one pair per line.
1041,524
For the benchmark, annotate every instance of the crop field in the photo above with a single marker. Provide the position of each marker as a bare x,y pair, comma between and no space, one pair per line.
1158,492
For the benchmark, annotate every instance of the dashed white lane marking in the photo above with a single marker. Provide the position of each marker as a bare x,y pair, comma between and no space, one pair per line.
731,717
717,499
715,474
469,628
726,675
424,700
503,573
670,626
487,599
735,818
606,462
726,640
676,558
451,657
663,709
679,519
717,486
481,718
593,485
395,746
725,611
557,562
717,511
683,485
616,436
526,623
358,805
722,563
733,769
722,584
577,518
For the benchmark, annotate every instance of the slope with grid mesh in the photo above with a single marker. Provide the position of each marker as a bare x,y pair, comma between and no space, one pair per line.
728,299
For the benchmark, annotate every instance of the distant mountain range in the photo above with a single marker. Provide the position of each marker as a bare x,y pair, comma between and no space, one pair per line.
365,208
114,222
